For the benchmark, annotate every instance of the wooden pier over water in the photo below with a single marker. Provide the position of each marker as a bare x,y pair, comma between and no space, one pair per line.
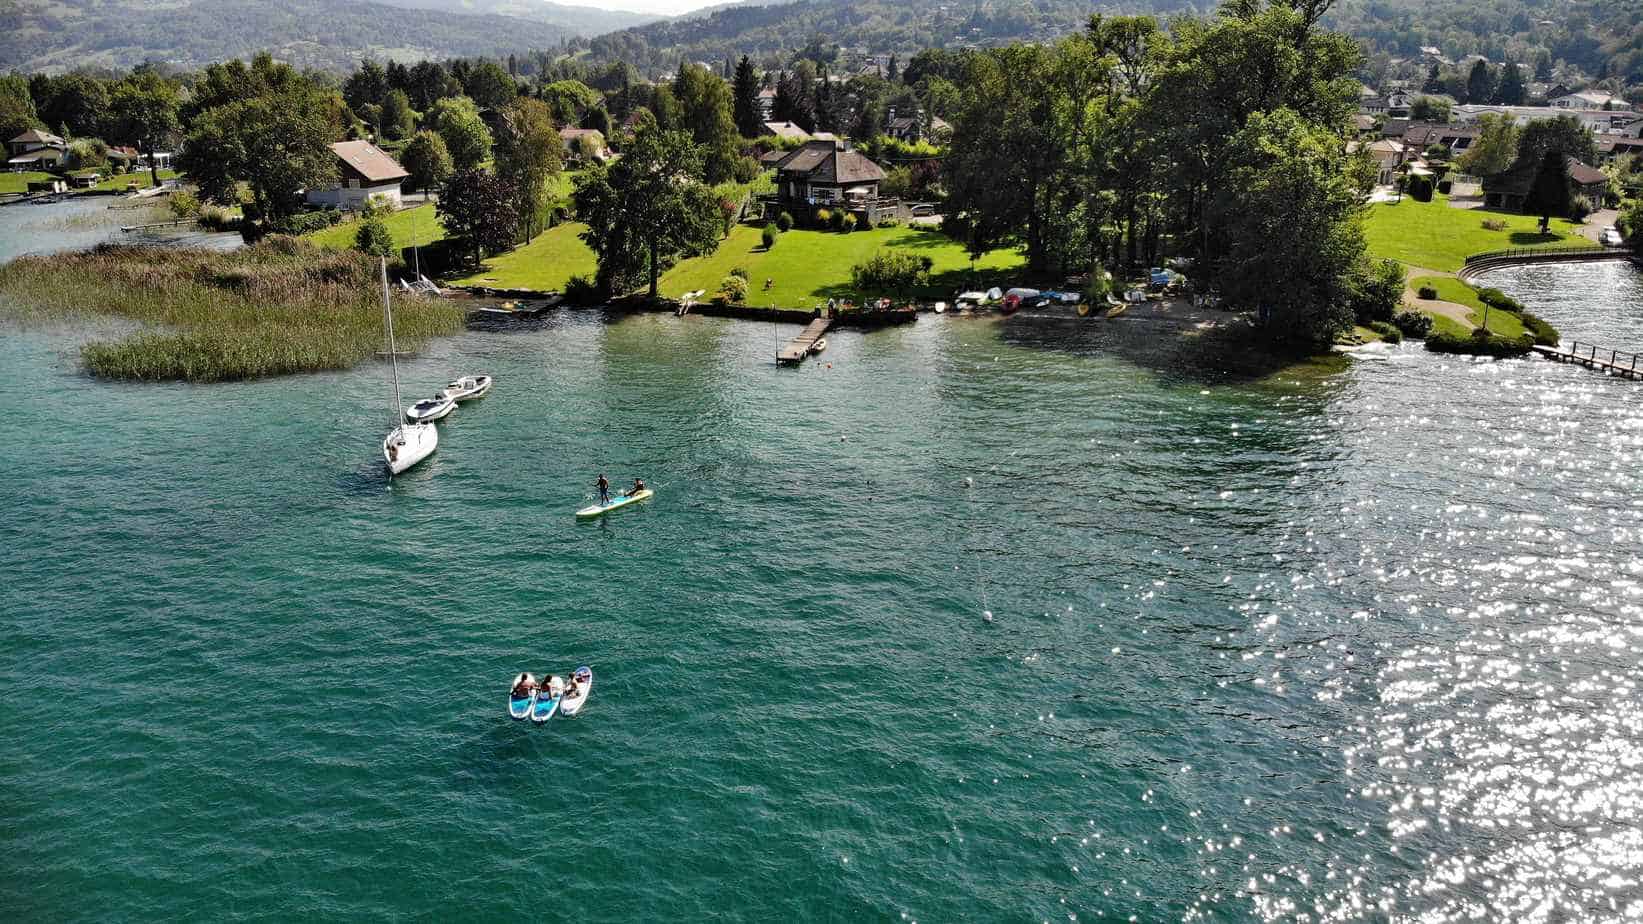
1593,356
799,347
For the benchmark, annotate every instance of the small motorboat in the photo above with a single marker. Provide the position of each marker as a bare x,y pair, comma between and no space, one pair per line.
467,387
429,410
818,346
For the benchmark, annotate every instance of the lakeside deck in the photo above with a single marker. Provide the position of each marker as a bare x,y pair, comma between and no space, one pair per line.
1592,357
799,347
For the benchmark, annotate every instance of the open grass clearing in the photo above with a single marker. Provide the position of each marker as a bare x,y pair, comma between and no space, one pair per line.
1450,289
1436,236
413,227
19,182
544,265
806,268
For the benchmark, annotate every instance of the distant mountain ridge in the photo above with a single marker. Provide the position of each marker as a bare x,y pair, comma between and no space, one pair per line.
578,20
328,34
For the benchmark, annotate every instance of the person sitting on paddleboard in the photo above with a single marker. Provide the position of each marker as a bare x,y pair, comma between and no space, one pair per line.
525,686
572,688
638,485
604,489
556,685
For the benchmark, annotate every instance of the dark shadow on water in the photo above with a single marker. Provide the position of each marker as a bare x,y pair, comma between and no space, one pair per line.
504,752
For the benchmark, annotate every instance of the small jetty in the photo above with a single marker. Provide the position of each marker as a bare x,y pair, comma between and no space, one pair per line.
1592,356
799,347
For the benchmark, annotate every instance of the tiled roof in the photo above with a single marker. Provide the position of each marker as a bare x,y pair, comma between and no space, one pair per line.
369,161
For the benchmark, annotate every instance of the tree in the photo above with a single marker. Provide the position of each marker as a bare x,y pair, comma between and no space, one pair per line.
477,210
746,93
568,100
1480,84
278,143
1294,228
1495,148
75,103
372,236
648,207
365,87
1429,109
597,119
489,86
398,121
428,83
892,72
1550,193
527,156
1563,135
427,161
1510,91
793,102
457,121
144,110
17,113
704,108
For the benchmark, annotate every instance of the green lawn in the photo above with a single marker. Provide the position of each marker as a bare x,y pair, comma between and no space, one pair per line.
808,267
413,227
545,264
1435,236
141,178
1451,289
19,182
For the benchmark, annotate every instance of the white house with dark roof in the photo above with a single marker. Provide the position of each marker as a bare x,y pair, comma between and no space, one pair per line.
365,172
34,150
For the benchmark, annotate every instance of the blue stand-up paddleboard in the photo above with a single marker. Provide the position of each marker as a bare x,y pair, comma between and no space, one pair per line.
571,705
547,703
518,707
616,503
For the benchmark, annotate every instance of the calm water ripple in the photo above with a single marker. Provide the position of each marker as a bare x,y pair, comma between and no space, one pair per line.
1359,647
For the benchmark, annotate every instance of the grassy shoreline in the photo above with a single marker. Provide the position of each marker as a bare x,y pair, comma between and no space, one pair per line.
280,307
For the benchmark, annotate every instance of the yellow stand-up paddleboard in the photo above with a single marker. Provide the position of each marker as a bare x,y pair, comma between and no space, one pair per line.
616,503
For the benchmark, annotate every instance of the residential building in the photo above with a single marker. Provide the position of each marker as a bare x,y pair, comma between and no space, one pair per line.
571,138
1419,136
35,150
786,130
365,172
1508,190
766,104
1388,155
1601,121
828,174
1586,99
912,127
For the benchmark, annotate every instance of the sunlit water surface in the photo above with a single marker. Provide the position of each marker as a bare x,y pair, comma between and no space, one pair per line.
949,625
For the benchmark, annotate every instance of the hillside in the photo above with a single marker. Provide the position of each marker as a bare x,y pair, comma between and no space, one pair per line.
577,20
872,26
330,34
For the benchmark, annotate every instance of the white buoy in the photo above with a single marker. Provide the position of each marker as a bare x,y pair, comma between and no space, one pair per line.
969,482
987,615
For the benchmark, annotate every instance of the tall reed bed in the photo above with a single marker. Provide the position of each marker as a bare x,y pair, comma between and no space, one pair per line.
278,307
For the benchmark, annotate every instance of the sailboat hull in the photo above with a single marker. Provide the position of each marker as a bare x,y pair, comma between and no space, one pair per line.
408,444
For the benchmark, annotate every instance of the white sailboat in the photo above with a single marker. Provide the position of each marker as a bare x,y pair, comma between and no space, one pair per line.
407,443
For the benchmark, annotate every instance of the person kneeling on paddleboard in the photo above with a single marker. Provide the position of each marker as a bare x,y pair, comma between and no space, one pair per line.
604,489
638,486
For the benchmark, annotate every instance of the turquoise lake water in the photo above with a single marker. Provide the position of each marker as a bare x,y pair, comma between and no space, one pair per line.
969,620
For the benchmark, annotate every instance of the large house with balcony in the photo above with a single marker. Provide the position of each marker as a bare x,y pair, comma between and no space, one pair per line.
828,174
35,150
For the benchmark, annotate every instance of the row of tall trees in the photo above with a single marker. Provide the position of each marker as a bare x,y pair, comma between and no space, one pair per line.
1224,135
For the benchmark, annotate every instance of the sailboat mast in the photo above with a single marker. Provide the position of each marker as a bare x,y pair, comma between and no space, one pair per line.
393,351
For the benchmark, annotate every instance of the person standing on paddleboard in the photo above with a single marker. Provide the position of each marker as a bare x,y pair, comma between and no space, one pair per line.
604,489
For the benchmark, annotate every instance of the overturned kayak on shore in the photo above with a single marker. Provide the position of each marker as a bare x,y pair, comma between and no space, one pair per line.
616,503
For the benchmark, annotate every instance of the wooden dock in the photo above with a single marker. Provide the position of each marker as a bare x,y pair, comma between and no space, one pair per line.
799,347
1591,356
